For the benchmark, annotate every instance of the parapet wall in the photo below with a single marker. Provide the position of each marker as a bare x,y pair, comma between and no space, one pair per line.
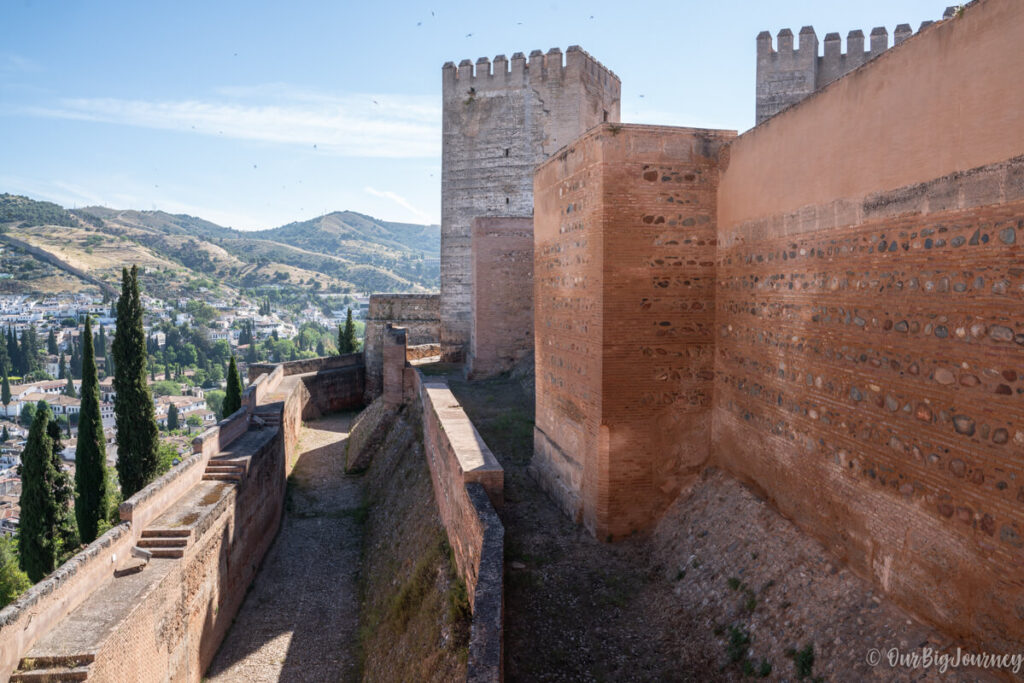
166,621
497,125
468,485
502,331
787,75
869,313
418,314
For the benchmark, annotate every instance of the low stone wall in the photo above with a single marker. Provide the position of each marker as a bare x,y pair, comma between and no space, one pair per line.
468,486
173,626
419,314
33,614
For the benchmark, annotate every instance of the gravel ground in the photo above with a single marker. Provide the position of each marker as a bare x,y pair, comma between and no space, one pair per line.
299,621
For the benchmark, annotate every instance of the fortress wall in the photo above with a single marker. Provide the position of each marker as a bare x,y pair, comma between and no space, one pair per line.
502,329
175,627
624,254
498,122
171,628
419,314
869,314
43,605
468,485
938,103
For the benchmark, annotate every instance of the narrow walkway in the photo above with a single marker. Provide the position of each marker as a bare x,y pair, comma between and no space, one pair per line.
299,622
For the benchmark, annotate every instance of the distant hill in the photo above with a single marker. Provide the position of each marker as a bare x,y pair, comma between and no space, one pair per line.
339,252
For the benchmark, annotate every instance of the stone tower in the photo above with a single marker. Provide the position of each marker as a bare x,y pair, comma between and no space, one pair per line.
786,75
499,121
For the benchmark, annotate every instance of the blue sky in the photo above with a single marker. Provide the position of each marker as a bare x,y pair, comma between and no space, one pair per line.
253,114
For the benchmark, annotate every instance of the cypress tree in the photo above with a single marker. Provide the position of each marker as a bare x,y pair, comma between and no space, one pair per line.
172,418
37,531
137,433
347,337
30,349
62,368
63,493
233,393
5,392
13,352
51,343
69,388
90,455
5,436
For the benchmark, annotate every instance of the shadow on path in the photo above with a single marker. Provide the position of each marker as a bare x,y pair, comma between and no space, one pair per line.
299,622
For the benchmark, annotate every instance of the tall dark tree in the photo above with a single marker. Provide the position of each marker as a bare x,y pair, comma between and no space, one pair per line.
137,432
108,364
347,342
63,490
51,343
75,366
69,388
91,492
5,392
172,417
14,352
38,534
30,349
62,368
233,392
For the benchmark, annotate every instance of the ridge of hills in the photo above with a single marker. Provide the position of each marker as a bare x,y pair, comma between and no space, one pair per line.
343,252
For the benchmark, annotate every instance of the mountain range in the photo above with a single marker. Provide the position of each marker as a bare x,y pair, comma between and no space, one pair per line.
50,248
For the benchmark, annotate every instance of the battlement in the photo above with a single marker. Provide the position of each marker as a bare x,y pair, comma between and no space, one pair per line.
502,72
787,74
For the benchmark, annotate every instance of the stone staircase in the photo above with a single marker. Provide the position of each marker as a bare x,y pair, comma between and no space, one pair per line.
169,543
52,669
224,469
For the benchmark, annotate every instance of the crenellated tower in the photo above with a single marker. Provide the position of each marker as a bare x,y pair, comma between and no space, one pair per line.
787,74
500,119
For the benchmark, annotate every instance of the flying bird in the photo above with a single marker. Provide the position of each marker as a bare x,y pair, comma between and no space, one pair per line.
469,35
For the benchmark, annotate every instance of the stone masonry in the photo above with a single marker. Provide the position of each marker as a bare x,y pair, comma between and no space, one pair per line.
502,330
500,120
417,314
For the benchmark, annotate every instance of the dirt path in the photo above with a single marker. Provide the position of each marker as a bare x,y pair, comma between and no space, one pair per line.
299,622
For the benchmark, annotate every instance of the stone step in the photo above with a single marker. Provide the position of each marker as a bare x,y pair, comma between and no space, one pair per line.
156,542
168,552
221,476
166,533
56,661
240,462
217,467
52,675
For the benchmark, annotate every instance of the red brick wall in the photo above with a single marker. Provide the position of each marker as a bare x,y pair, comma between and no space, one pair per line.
869,382
625,224
871,323
502,322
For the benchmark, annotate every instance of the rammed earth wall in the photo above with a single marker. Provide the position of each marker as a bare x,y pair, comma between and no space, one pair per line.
870,320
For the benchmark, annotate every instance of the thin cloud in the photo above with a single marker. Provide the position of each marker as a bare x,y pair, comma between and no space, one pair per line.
351,126
11,63
401,201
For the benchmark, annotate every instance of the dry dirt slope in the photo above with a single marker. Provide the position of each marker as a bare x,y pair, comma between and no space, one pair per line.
723,589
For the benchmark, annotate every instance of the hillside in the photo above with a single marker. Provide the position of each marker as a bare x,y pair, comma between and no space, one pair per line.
341,252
